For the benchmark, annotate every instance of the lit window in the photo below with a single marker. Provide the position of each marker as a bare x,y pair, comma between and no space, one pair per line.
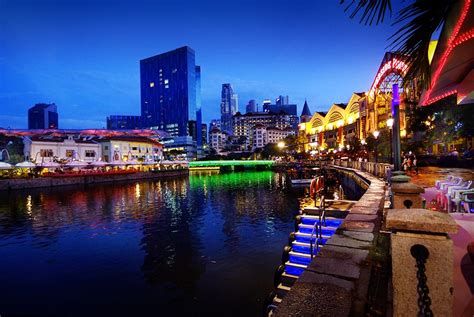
166,81
167,86
152,84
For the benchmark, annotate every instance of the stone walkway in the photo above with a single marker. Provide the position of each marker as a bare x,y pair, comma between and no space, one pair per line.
336,282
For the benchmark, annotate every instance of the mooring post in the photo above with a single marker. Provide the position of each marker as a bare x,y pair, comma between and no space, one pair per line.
422,262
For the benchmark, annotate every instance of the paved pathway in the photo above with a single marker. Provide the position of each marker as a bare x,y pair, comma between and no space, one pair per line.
463,267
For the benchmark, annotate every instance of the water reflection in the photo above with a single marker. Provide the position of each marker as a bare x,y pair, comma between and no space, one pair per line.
188,245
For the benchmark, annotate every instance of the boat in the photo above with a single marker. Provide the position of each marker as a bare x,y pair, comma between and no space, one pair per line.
301,182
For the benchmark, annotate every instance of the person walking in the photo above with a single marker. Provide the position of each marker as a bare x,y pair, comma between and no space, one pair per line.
415,166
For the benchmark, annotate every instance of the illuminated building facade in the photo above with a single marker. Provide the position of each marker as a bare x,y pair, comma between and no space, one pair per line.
128,148
365,112
169,98
229,107
47,147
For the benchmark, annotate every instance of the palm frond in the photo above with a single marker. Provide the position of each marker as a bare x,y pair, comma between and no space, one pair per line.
372,10
422,18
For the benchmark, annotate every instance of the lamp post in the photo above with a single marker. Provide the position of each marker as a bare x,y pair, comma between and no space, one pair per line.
376,135
390,125
396,128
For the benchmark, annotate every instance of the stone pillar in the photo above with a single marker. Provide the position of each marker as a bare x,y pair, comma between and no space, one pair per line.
429,229
404,193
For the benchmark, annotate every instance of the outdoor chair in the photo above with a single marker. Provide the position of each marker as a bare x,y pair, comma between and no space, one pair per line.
448,179
467,200
451,194
456,181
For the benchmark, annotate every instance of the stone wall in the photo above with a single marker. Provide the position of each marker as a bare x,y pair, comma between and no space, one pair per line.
336,283
24,183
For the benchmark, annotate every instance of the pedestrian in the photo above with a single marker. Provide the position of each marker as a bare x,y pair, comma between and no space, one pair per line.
415,166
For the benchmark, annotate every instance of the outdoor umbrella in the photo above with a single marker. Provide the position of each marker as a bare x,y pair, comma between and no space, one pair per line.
5,166
25,164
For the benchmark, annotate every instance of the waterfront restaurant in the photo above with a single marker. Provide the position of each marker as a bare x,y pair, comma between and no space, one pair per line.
127,148
45,148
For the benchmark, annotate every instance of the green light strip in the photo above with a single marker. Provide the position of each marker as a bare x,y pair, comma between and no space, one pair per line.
230,163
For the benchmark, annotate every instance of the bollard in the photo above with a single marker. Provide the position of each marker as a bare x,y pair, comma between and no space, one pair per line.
422,262
405,194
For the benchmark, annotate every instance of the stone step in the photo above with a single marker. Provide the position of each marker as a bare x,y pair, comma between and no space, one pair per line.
281,290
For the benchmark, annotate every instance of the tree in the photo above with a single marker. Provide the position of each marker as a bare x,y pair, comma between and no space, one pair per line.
419,19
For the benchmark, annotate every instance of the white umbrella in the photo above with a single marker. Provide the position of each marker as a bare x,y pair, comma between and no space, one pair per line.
166,162
25,164
49,164
5,166
149,162
75,163
99,163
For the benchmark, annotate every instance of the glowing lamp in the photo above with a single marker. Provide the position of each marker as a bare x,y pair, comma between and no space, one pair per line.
281,145
390,122
362,141
376,134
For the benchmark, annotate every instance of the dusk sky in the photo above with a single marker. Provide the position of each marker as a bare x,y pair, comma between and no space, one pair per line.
84,55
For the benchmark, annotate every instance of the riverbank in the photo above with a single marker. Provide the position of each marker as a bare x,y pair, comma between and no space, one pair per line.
337,280
26,183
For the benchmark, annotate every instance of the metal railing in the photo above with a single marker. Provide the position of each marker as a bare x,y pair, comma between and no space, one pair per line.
382,170
317,228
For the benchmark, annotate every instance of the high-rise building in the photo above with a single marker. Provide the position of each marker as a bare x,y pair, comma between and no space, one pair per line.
43,116
116,122
204,133
198,108
229,107
282,100
169,84
251,107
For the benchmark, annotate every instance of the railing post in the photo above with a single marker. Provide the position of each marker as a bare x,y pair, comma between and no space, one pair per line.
422,262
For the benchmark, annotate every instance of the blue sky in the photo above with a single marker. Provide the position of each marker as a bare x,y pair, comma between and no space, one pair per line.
84,55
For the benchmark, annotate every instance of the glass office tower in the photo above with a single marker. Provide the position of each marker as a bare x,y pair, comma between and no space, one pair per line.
168,92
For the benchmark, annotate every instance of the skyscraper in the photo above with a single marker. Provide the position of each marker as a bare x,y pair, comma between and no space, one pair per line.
229,107
43,116
169,96
251,107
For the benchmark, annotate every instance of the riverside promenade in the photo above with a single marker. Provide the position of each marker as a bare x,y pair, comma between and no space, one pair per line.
336,283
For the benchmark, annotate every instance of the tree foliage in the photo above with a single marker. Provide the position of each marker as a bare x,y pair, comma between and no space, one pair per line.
418,20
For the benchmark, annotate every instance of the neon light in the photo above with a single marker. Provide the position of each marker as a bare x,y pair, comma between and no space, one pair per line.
446,94
453,42
394,64
229,163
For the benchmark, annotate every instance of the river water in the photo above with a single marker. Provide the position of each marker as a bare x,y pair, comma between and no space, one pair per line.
198,246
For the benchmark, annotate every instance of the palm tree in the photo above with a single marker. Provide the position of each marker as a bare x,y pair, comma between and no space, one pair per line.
418,20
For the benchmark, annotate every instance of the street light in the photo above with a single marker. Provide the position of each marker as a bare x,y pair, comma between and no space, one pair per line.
281,144
390,125
376,135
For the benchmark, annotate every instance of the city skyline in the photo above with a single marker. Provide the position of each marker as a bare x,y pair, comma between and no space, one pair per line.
99,72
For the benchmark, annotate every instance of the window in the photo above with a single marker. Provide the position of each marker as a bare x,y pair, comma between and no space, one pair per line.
90,153
134,148
69,153
152,84
166,81
46,153
106,147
